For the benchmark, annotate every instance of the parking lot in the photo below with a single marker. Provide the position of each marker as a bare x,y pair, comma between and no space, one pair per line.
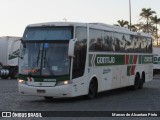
146,99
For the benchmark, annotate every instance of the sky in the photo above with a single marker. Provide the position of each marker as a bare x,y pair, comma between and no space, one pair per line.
15,15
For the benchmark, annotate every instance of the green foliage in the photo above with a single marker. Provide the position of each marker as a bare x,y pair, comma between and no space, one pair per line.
122,23
148,24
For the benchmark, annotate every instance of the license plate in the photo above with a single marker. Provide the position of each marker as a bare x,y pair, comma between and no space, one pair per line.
41,91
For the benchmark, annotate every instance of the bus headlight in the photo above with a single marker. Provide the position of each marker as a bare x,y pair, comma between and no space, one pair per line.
66,82
22,81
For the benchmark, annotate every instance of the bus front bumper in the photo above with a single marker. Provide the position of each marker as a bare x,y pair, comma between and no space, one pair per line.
56,91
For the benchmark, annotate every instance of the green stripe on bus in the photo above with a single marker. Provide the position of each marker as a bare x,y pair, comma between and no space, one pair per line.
106,60
36,79
128,70
147,59
139,59
131,59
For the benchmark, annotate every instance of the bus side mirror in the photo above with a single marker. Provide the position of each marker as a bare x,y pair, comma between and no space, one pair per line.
71,47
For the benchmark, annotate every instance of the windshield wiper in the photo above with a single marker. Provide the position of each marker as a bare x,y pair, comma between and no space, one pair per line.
36,62
46,63
38,57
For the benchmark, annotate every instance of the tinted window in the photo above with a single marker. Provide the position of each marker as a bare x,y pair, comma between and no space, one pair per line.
129,43
149,45
100,40
119,42
108,42
144,44
80,52
48,33
96,40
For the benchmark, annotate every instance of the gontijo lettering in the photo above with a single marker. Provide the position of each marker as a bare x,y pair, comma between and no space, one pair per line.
102,60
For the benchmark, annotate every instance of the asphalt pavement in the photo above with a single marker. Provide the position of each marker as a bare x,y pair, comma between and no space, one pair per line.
146,99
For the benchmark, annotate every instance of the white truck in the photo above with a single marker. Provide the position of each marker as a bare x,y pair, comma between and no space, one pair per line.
9,51
156,60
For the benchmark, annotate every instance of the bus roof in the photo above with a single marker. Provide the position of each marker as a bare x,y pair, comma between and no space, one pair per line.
92,25
57,24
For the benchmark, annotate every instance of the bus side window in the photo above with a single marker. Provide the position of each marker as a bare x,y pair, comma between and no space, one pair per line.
149,45
119,42
108,42
129,46
95,40
80,52
133,42
143,44
137,46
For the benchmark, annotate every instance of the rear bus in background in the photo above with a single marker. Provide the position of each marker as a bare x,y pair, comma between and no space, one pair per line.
9,51
156,60
66,59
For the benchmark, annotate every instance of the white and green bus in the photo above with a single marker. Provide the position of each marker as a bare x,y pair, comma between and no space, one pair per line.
67,59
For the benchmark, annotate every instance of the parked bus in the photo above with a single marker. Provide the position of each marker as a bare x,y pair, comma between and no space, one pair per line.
156,60
65,59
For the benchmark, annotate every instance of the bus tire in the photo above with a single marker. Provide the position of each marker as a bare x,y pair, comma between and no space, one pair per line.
5,77
136,82
142,80
92,92
14,73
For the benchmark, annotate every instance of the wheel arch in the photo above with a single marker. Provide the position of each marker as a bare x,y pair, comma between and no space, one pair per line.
137,74
94,78
143,77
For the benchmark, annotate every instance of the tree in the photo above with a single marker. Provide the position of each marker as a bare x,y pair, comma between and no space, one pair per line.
133,28
146,14
122,23
155,20
141,27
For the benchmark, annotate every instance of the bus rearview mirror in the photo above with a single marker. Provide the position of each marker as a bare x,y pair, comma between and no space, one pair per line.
71,47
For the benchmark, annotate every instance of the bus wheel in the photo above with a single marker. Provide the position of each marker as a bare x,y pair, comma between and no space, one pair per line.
48,98
141,84
142,80
92,92
136,82
14,73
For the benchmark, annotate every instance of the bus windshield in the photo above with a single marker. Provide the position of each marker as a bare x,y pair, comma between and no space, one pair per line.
48,33
44,59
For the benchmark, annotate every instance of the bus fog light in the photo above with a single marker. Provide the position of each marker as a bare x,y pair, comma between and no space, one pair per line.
66,82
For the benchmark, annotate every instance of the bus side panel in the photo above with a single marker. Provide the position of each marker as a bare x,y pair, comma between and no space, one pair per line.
106,78
123,76
80,86
147,69
103,75
148,72
116,77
